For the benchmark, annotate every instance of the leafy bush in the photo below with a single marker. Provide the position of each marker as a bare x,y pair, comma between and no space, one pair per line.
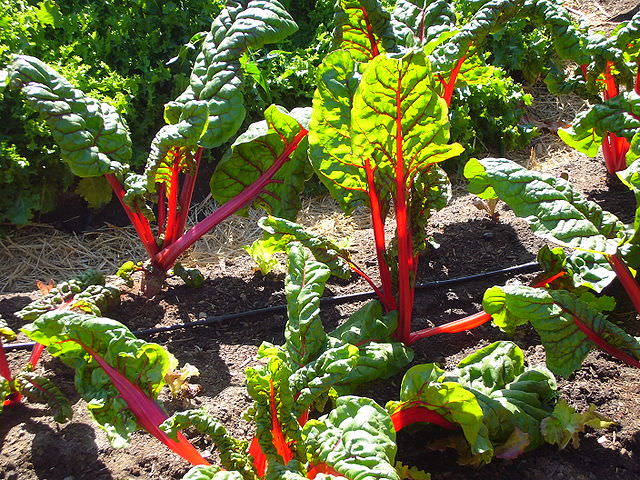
115,51
487,116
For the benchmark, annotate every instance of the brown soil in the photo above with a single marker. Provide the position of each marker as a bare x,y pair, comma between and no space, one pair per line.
34,447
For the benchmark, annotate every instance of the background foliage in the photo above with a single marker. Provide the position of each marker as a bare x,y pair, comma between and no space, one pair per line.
115,51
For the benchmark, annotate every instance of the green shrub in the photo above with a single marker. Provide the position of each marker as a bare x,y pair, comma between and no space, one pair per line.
115,51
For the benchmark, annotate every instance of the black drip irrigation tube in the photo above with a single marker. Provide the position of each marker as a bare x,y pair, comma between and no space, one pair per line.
524,268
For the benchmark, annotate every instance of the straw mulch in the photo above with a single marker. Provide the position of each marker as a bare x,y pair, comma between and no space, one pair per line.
42,253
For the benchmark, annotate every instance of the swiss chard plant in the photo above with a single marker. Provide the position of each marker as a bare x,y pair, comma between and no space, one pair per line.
380,125
94,141
490,401
118,375
568,317
491,405
610,67
85,293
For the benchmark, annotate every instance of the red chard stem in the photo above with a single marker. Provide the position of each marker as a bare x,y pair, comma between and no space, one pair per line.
377,222
606,346
450,86
5,371
147,412
167,257
418,412
626,278
139,222
405,249
36,353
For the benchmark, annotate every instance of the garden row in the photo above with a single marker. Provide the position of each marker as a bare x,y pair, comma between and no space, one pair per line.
376,134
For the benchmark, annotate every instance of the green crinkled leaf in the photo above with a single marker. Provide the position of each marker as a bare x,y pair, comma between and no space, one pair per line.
591,270
368,323
488,19
356,439
330,130
376,361
95,190
211,472
582,270
553,314
233,452
431,191
565,425
304,334
491,367
192,277
280,233
586,140
263,251
569,41
497,403
280,143
145,364
87,287
42,390
417,22
92,137
422,386
126,270
136,193
217,74
363,29
617,115
380,356
552,207
316,378
293,470
181,136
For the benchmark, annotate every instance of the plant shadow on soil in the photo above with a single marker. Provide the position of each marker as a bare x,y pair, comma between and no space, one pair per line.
56,451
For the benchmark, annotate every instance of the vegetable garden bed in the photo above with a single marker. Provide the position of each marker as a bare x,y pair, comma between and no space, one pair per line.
402,91
33,446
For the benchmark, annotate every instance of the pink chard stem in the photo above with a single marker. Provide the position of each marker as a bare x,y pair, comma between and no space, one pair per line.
626,278
167,257
187,192
15,397
139,222
147,412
